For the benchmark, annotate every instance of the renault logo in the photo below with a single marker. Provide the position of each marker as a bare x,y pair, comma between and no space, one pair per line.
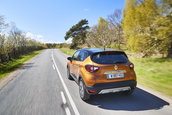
115,67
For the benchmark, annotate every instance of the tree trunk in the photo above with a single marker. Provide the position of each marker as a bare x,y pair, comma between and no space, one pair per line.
169,53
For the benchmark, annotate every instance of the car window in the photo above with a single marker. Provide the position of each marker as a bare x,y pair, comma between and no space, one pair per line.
82,56
109,58
75,55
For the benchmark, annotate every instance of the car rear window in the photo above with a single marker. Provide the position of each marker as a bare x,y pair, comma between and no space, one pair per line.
109,58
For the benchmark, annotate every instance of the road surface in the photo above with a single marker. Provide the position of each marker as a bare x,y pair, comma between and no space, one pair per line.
42,88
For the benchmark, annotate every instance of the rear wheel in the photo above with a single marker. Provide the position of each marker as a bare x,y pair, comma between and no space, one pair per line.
82,91
68,74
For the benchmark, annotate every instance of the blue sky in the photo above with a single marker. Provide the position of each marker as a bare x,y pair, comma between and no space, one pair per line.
48,20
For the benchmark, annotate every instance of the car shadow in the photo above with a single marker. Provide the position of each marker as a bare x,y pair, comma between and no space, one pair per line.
27,66
140,100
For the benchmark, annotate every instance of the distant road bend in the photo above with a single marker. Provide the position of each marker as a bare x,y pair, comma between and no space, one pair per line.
42,88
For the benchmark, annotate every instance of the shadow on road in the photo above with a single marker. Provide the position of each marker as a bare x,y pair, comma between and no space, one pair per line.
27,66
140,100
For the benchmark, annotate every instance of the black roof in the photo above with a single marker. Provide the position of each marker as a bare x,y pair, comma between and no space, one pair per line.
95,50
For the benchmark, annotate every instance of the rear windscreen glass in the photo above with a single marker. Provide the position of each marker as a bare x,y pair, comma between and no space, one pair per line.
109,58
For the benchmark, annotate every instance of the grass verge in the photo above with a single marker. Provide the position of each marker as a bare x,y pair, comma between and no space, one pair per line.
67,51
10,66
154,73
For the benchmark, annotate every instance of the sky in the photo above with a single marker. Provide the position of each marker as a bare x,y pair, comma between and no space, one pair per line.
48,20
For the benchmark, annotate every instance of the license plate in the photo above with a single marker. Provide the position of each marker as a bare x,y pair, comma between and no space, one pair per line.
117,75
115,72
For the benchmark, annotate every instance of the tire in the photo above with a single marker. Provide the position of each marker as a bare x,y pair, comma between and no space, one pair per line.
68,74
129,92
82,91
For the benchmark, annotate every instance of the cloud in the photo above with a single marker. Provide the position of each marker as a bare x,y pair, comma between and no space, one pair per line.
68,41
50,41
39,38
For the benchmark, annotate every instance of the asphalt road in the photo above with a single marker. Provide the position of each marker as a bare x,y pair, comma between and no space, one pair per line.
42,88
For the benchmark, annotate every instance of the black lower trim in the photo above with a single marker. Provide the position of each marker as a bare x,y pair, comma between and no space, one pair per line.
100,86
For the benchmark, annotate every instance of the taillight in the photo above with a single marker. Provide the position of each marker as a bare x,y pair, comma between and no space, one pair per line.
91,91
91,68
131,66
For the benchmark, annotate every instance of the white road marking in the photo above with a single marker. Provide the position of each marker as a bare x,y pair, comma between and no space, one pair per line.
64,102
63,97
65,88
53,67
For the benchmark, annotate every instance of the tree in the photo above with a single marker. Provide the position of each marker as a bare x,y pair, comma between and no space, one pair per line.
15,43
78,33
2,39
115,21
100,35
147,26
3,25
166,8
2,42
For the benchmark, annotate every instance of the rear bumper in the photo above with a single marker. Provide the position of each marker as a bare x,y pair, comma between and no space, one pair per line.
101,86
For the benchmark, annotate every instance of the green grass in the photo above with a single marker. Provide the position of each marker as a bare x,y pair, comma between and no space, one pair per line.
67,51
10,66
155,73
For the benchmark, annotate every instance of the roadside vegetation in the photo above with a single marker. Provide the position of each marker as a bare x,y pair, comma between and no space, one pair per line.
14,42
155,73
6,68
68,51
15,47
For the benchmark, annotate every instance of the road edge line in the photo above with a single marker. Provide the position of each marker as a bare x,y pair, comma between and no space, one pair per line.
65,87
65,103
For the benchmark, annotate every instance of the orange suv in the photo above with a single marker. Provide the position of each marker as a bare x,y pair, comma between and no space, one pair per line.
100,71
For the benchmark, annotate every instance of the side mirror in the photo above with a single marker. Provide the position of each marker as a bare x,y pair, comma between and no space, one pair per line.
69,58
